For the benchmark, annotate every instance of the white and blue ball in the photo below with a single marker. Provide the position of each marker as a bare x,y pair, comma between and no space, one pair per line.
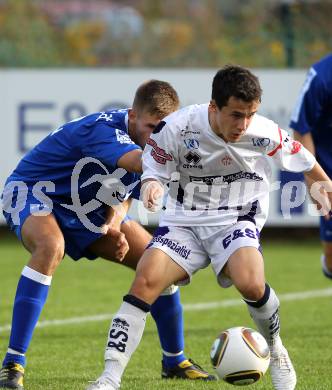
240,356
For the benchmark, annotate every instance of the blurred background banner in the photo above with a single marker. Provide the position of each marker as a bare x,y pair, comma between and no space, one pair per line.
39,101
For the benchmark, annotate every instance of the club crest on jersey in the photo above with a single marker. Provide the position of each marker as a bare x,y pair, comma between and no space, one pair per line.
191,143
193,159
296,147
293,147
226,160
260,142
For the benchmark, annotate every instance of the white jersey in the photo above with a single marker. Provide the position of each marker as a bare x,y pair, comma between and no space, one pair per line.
213,182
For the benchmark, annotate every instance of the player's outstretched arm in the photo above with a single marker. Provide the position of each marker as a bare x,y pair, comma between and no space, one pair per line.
307,141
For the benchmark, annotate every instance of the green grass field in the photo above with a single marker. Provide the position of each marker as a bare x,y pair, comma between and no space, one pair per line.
65,356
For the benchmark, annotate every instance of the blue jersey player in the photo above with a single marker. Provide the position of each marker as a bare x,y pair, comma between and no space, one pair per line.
70,194
312,124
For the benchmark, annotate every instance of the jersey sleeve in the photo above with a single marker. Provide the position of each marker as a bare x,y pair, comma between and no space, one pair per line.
107,144
309,105
136,191
288,154
160,154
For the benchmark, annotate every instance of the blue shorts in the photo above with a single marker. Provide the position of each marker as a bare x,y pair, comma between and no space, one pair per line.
77,236
325,229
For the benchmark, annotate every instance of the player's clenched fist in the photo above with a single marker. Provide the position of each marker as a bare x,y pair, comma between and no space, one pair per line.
120,241
152,193
122,246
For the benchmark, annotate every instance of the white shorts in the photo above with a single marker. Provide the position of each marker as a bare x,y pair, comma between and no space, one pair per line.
194,248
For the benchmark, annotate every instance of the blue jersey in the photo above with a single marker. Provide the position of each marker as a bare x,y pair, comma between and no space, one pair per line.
313,112
76,168
101,137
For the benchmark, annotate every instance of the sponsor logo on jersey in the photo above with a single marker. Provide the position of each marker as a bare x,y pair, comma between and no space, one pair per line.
193,159
158,153
191,143
186,131
226,160
123,137
260,142
208,180
241,175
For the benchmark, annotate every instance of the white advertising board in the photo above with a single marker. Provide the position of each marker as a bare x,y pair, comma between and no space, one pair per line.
35,102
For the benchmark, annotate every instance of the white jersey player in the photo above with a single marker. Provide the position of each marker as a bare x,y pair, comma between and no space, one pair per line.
220,188
215,182
215,159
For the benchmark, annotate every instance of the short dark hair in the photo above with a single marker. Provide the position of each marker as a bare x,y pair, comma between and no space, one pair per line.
236,81
157,98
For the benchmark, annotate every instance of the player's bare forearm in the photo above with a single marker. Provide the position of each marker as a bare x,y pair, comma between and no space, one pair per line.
320,189
116,214
317,174
307,141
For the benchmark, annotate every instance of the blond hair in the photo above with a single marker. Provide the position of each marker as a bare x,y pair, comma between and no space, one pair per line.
156,98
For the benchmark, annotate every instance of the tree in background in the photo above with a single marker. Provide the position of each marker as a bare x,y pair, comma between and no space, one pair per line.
26,36
313,31
158,33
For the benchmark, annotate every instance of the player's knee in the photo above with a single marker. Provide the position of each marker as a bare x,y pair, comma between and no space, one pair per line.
145,287
328,252
253,291
49,253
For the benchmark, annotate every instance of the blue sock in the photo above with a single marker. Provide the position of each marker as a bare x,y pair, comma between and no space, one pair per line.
31,295
167,313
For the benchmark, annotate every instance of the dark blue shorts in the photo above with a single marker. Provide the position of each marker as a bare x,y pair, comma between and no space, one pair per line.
325,229
77,236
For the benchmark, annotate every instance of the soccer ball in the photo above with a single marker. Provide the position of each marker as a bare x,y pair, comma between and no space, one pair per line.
240,356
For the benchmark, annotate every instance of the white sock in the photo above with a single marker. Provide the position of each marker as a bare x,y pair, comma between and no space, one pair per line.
124,336
266,318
